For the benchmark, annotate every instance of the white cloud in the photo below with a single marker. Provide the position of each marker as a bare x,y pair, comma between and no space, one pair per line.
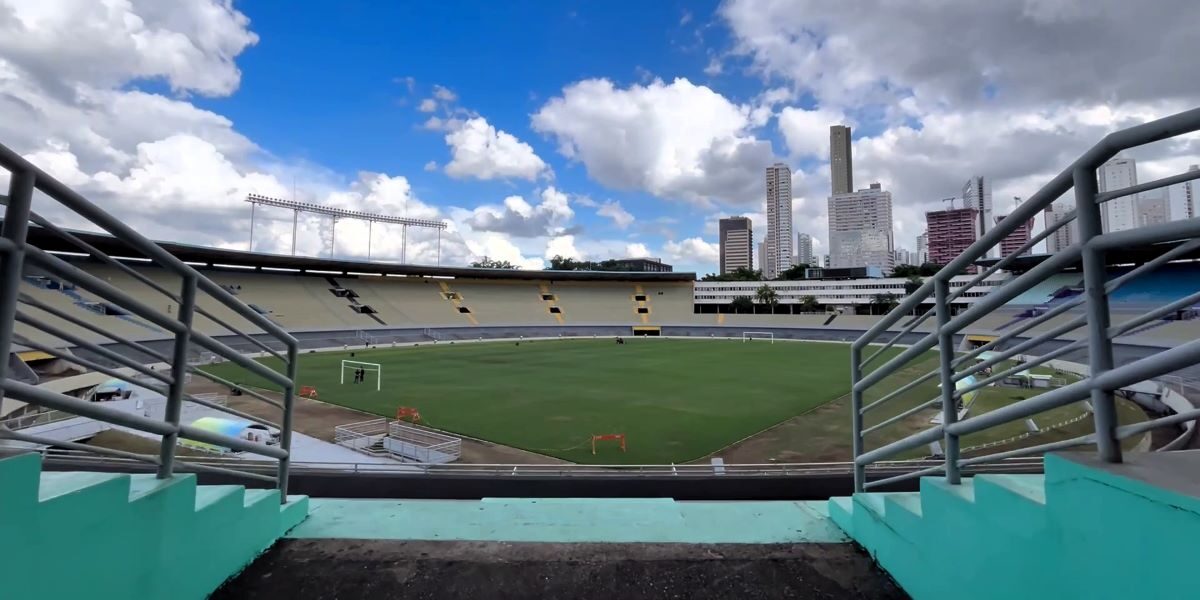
713,68
806,132
427,105
190,45
637,250
498,247
518,218
481,151
692,251
676,140
444,94
430,166
613,210
564,246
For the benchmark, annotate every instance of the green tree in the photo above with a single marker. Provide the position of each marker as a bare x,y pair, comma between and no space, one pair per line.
883,303
490,263
809,304
793,273
767,295
741,274
913,284
742,304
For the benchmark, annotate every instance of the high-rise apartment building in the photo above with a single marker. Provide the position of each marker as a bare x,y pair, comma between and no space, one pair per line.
977,194
1013,241
779,220
1152,207
922,249
841,163
1064,236
1121,213
950,232
860,229
1189,195
762,256
804,253
737,244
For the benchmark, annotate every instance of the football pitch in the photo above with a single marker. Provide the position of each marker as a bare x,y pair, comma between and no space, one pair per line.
675,400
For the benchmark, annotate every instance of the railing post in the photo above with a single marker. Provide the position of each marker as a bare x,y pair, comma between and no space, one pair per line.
941,291
856,420
16,225
285,433
1100,356
179,356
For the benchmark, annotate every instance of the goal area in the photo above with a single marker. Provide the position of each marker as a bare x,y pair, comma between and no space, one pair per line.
757,335
355,365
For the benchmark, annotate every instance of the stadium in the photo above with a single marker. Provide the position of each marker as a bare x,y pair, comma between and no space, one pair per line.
185,422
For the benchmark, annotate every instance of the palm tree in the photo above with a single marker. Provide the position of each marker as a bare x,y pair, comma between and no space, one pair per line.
767,295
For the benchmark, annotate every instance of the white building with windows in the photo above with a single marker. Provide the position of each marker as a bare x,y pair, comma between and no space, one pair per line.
1064,236
860,229
804,251
779,221
1121,213
977,194
835,294
922,249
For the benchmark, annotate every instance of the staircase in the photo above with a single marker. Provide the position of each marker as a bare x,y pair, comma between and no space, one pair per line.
114,535
1085,529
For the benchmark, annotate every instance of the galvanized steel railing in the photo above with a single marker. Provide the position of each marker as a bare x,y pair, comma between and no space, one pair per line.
1104,376
18,258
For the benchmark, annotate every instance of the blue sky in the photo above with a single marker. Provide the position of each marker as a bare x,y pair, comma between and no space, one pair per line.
589,129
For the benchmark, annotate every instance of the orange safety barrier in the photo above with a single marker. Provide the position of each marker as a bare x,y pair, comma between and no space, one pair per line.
620,437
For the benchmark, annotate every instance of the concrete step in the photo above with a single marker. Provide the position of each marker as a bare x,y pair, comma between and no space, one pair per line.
332,568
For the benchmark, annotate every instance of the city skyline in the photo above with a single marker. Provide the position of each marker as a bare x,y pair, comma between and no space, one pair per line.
599,149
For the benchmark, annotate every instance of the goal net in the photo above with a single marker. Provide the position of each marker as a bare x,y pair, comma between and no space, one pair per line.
757,335
352,367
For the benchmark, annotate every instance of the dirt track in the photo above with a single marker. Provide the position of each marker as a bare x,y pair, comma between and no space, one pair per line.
317,419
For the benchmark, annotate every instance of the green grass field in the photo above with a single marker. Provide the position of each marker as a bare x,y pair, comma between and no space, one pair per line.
676,400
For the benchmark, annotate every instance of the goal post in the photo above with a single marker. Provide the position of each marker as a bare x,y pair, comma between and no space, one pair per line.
367,367
757,335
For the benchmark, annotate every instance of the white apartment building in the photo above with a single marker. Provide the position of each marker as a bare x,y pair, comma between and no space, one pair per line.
1121,213
804,253
737,244
1066,235
779,221
977,194
833,293
922,249
860,229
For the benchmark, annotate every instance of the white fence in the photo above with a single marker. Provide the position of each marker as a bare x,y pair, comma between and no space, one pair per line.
400,441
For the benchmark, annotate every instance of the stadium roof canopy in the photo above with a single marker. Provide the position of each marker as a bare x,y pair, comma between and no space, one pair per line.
1112,258
218,258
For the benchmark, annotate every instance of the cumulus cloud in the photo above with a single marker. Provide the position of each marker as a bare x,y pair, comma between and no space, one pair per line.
673,140
480,151
692,251
518,218
564,246
637,250
613,210
806,132
427,105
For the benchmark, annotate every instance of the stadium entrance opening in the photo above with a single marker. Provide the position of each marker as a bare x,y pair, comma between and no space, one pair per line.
647,330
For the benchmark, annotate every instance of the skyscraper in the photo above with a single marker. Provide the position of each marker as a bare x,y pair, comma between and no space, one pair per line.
1121,213
1152,207
977,194
804,254
922,249
779,220
841,163
737,244
860,229
1064,236
762,256
1013,241
950,232
1189,195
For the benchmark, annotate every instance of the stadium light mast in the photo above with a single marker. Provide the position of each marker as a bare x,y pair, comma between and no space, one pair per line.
340,213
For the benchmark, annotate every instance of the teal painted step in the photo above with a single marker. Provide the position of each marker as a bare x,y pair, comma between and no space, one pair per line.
571,520
1077,532
113,535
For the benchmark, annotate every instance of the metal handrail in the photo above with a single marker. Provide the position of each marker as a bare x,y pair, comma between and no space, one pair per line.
1104,378
19,255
